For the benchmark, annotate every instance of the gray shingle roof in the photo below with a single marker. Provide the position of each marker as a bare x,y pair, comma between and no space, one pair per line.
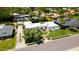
72,22
6,31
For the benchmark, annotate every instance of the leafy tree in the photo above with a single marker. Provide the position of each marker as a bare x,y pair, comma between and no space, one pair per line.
43,19
33,35
5,14
43,9
61,11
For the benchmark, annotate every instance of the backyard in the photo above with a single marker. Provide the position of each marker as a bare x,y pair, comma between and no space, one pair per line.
7,44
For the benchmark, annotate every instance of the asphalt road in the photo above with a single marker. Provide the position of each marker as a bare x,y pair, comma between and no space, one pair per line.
63,44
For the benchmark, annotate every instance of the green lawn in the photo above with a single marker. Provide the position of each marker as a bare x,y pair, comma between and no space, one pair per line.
61,33
7,44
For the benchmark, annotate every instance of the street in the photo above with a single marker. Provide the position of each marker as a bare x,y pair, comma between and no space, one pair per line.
70,43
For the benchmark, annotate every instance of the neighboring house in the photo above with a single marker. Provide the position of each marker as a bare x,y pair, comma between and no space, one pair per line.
42,14
72,23
55,15
16,16
20,17
27,16
6,31
71,11
46,25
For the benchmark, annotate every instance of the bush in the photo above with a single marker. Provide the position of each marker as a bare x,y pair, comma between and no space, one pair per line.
74,30
33,35
42,19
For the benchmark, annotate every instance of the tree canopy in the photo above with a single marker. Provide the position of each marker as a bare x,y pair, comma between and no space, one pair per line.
33,35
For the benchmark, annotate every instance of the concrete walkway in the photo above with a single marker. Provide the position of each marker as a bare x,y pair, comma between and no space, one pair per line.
19,40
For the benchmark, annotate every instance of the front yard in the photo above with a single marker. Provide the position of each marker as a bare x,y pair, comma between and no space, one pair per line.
60,33
7,44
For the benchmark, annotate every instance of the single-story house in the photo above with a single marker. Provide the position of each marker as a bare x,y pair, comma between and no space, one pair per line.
16,16
46,25
52,26
20,17
6,31
72,23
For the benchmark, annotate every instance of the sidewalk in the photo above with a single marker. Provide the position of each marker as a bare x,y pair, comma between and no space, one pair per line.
70,43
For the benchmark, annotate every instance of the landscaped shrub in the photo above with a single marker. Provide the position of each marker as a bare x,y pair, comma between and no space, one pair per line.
73,30
33,35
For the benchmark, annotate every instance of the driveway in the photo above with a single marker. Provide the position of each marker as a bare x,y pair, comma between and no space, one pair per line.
19,40
63,44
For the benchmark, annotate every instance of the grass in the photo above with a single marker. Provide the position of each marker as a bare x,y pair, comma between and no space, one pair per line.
61,33
7,44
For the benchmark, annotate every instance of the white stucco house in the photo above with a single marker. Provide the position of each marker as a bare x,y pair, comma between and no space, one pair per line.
47,25
52,26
